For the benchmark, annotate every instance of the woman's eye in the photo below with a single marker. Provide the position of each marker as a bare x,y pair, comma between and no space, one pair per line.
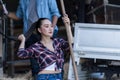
46,26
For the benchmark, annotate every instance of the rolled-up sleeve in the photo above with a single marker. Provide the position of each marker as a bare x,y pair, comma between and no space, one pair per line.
64,44
25,53
54,8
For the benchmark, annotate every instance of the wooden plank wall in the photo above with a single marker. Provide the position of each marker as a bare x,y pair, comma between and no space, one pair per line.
0,45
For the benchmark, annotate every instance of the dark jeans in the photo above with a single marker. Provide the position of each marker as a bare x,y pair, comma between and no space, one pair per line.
56,76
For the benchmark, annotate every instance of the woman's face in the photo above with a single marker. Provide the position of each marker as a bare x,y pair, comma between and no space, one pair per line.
46,28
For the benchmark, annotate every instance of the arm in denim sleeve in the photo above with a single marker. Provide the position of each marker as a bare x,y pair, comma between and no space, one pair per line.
54,8
19,12
18,15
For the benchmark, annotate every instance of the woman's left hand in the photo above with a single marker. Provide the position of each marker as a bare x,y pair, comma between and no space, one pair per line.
66,19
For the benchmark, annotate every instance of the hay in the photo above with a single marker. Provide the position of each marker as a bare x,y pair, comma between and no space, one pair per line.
27,76
13,79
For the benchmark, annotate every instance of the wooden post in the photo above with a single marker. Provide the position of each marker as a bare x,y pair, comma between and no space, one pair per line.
70,40
0,38
1,51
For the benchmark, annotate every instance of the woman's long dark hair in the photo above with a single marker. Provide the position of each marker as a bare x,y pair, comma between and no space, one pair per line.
39,23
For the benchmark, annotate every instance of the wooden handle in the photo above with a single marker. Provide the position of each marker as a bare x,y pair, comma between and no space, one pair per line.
70,40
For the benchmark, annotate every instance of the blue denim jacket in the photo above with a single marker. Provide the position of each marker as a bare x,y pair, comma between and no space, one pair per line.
45,9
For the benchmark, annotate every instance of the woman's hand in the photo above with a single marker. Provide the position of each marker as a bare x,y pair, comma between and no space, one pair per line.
66,19
21,37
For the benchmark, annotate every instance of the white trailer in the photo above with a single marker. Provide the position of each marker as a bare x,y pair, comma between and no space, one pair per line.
95,41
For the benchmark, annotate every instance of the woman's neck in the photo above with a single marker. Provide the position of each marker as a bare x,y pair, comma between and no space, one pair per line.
46,40
48,43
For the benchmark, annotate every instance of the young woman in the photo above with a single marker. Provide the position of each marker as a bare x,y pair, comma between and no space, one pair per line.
48,51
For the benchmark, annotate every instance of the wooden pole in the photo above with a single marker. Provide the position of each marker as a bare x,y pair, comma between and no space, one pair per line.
70,40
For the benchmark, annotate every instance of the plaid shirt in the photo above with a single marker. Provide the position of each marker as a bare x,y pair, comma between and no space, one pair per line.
44,56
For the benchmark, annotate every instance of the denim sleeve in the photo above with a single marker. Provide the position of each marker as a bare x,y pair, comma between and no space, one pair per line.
54,8
19,12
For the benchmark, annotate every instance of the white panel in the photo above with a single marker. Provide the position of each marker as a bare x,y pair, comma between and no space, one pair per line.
100,39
